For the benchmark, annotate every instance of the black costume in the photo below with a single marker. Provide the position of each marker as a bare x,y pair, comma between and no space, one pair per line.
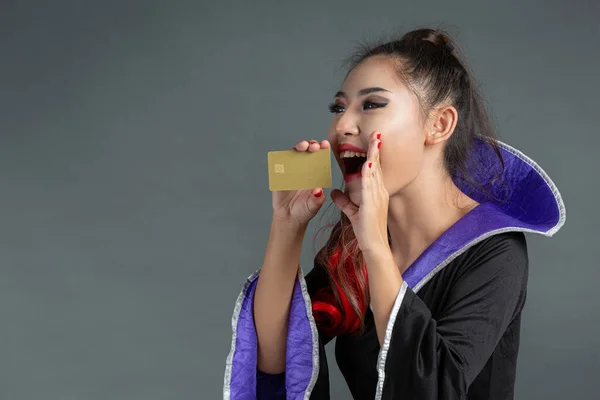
453,332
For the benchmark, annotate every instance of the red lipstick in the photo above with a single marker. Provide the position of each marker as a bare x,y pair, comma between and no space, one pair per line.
349,147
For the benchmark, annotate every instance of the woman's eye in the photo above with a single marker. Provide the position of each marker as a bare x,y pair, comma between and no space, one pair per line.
335,108
369,105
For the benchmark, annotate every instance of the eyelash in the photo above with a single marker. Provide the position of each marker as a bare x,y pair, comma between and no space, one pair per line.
334,107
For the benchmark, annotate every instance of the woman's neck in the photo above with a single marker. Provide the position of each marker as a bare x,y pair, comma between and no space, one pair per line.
419,214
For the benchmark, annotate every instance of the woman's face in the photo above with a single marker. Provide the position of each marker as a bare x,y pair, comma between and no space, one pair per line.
373,98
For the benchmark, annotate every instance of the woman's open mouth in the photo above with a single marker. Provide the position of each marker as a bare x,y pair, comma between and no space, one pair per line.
352,164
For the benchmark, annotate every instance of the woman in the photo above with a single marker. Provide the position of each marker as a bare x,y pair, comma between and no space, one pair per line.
424,277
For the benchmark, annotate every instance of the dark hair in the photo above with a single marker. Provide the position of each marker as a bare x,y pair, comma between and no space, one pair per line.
429,63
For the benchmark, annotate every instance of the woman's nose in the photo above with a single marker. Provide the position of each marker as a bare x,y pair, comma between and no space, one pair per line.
346,126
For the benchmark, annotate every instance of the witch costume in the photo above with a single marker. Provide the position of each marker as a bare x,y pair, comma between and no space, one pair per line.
453,331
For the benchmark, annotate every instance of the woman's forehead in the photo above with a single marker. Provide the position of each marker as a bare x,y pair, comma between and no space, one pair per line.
373,72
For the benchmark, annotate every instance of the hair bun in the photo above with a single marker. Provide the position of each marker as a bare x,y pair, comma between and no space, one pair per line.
438,38
445,41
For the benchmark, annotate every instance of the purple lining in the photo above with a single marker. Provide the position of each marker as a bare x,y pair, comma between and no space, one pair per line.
243,366
525,192
299,357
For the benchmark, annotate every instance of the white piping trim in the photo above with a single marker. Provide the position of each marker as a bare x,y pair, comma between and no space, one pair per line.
386,340
234,322
315,335
398,302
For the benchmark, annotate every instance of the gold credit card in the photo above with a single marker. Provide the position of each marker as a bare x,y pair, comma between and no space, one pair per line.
295,170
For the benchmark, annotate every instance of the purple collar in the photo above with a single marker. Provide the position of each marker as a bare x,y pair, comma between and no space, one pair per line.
524,200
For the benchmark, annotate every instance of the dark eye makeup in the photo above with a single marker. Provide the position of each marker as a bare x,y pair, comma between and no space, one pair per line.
336,108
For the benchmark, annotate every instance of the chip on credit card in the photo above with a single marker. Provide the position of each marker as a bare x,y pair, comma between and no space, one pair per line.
296,170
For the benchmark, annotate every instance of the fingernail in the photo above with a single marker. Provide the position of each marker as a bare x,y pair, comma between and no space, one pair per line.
379,145
370,164
379,136
319,193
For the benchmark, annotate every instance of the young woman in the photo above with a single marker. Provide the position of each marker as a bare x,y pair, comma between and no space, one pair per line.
423,278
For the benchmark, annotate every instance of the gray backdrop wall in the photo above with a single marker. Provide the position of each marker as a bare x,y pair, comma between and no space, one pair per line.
133,191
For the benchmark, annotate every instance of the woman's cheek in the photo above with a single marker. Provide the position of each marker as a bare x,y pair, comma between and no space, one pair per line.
400,164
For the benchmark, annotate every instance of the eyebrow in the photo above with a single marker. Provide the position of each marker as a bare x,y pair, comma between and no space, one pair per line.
363,92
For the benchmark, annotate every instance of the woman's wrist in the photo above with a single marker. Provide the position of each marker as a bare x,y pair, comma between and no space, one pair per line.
288,224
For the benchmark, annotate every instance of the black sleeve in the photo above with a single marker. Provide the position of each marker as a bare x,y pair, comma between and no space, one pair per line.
439,358
318,279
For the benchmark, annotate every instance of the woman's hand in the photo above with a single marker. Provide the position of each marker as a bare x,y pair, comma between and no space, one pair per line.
369,220
300,206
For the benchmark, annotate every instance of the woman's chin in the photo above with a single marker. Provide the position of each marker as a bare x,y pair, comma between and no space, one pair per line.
354,189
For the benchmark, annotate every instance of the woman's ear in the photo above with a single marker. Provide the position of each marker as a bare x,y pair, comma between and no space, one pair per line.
443,122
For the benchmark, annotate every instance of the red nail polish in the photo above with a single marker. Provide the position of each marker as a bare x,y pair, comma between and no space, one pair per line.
379,136
379,145
319,193
370,164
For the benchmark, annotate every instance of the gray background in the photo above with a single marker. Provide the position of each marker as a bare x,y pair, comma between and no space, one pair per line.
134,198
